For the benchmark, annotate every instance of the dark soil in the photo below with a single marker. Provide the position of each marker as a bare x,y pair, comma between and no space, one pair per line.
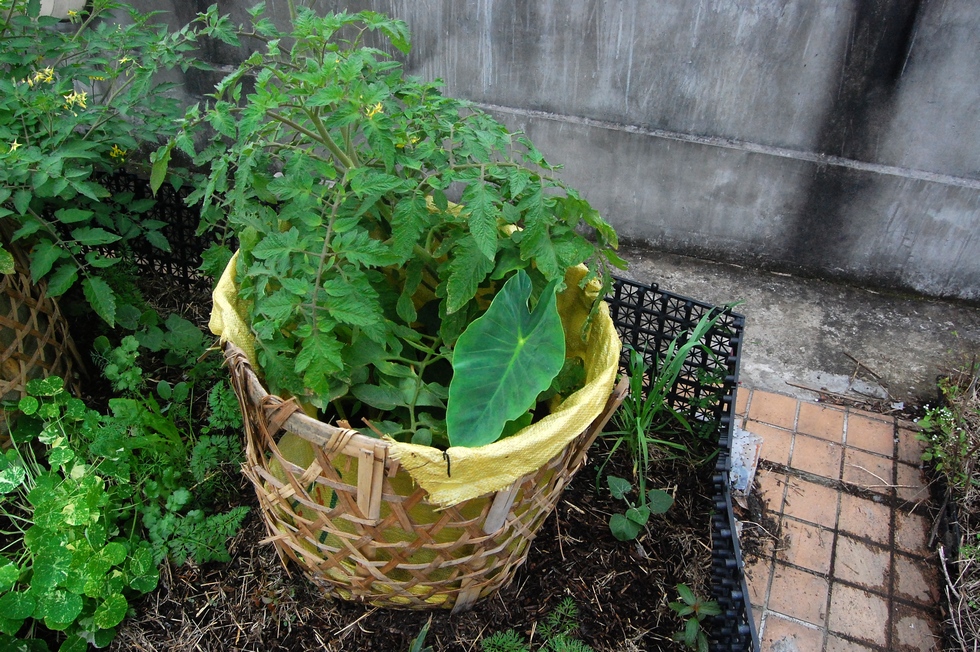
621,589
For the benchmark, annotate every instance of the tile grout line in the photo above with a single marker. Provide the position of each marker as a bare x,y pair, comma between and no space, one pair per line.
835,538
771,558
770,564
891,538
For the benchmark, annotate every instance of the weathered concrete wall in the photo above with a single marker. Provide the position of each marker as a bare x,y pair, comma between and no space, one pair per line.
837,138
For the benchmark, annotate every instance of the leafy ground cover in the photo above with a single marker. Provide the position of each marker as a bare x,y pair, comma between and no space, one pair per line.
951,431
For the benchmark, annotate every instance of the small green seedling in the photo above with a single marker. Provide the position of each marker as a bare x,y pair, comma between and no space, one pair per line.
693,610
556,634
627,526
418,643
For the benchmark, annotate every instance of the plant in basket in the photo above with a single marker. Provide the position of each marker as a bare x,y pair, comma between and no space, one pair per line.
76,100
412,272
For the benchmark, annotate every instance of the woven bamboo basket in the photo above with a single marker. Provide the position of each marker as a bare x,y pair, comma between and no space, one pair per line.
34,337
358,526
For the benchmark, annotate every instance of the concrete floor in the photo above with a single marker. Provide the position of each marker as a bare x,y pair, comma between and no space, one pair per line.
805,333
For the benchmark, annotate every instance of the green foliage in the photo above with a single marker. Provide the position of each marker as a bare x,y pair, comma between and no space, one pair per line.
557,633
418,643
223,410
952,432
157,477
627,526
502,361
69,561
693,610
645,411
73,103
336,172
136,482
179,471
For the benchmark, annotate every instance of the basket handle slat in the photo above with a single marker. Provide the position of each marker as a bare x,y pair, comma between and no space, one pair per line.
370,480
500,508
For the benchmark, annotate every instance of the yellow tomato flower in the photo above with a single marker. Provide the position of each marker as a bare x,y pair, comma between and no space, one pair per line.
46,75
14,146
117,152
75,98
375,110
73,16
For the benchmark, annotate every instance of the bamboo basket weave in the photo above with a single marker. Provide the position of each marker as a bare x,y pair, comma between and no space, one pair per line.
359,527
34,337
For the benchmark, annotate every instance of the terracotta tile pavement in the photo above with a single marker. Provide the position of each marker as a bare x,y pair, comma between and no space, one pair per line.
849,569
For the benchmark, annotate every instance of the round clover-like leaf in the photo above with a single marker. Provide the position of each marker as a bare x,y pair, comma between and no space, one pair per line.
28,405
114,552
10,626
59,608
111,612
622,528
659,501
50,567
11,477
9,574
502,361
142,571
74,643
17,605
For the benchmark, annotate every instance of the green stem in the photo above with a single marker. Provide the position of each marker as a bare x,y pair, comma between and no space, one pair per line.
53,232
323,258
349,162
293,125
6,20
418,384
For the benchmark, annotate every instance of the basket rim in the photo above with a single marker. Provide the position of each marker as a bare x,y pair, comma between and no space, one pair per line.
317,432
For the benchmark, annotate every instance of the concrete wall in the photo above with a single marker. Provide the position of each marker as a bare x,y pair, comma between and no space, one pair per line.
838,138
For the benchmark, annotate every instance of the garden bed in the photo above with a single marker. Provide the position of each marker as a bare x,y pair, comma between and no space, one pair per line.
621,589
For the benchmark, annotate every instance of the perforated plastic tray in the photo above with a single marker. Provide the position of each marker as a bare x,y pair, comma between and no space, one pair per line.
648,320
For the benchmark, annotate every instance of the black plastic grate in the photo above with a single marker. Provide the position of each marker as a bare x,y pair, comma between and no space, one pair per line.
648,320
182,262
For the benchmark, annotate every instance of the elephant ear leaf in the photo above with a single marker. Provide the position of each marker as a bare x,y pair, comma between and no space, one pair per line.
502,361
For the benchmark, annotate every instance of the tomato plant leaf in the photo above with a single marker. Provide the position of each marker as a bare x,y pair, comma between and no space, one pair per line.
63,278
101,297
466,271
6,262
43,257
482,214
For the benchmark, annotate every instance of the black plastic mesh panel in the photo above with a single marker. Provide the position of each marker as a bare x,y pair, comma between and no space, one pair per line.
648,320
181,263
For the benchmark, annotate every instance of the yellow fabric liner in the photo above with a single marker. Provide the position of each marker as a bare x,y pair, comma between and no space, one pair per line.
486,469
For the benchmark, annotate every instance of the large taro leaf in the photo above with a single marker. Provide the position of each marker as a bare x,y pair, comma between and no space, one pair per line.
502,361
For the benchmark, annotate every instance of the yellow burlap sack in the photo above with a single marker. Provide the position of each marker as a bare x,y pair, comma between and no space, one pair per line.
473,472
